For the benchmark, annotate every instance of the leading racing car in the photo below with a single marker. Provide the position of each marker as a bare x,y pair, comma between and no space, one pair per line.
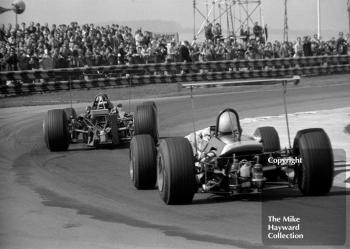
222,160
101,123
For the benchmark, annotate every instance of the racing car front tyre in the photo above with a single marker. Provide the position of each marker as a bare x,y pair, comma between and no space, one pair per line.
143,162
145,120
269,138
315,173
175,171
55,130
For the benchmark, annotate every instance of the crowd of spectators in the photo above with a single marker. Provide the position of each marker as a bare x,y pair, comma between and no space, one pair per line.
34,46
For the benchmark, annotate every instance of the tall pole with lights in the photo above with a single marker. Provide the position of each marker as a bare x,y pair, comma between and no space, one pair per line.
18,6
285,26
349,14
318,20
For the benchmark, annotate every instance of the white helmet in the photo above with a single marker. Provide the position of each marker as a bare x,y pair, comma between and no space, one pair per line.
101,102
227,123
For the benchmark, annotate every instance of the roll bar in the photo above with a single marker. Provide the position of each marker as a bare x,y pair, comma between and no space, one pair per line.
295,79
237,117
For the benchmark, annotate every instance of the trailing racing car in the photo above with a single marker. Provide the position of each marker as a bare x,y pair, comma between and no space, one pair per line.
101,123
222,160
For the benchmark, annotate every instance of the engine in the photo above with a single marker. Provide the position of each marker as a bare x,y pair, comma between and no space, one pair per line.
229,174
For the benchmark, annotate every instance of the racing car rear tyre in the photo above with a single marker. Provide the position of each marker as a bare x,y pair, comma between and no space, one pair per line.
151,103
113,124
145,121
269,137
175,171
55,129
143,171
315,174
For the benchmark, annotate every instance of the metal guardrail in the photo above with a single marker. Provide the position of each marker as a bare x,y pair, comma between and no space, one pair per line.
159,79
71,78
192,67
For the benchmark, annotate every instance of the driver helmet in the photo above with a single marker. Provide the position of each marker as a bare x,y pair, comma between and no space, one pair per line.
227,123
102,101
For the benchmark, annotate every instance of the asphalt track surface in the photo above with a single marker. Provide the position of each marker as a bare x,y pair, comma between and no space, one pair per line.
83,198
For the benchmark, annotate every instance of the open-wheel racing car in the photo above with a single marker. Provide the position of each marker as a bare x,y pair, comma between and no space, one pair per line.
223,161
101,123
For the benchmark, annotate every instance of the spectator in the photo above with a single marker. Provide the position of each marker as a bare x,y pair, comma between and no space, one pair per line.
217,32
208,32
57,46
12,61
307,46
110,57
171,52
194,52
161,52
268,51
31,29
184,52
46,61
138,37
3,65
145,53
257,31
284,51
298,48
342,46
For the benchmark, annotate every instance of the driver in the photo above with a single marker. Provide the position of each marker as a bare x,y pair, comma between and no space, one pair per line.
102,102
227,125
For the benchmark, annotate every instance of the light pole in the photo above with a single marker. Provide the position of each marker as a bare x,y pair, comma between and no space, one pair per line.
318,20
285,26
18,6
349,14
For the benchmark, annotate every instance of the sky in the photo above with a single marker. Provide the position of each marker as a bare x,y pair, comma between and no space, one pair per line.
302,14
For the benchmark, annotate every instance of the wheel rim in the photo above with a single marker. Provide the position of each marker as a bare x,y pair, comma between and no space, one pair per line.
160,174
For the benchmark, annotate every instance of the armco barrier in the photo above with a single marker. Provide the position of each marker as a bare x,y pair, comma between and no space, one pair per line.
157,79
149,69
